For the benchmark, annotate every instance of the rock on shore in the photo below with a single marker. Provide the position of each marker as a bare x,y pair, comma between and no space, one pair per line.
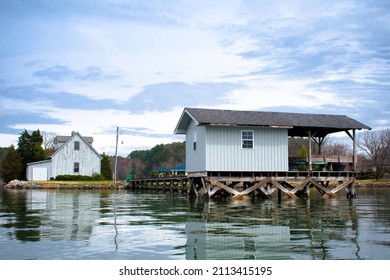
17,184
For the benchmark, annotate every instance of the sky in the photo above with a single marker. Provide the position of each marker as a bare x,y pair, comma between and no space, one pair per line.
92,66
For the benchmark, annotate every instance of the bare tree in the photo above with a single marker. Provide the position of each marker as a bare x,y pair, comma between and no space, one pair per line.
48,143
376,145
333,147
48,140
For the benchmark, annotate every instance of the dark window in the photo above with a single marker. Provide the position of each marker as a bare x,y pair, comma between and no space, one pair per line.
76,145
76,167
195,140
247,139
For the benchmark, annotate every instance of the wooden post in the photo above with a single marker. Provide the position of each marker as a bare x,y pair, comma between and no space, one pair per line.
354,149
308,190
309,153
353,137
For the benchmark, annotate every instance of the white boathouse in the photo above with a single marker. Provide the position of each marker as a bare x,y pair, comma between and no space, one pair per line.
252,147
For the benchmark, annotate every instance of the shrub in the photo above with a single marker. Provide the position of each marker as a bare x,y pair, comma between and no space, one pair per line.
68,177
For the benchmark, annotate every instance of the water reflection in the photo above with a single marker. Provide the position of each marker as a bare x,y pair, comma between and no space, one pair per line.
124,225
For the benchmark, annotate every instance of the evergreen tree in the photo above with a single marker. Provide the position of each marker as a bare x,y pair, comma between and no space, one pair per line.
30,149
106,169
11,166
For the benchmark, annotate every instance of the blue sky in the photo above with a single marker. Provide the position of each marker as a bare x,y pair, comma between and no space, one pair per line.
90,66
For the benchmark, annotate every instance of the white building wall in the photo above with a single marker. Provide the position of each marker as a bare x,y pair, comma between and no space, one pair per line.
224,151
38,165
63,161
195,159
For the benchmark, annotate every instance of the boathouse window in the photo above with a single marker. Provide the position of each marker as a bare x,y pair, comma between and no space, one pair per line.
247,139
195,140
76,145
76,167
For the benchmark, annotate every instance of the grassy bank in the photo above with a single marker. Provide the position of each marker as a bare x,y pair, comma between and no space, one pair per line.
385,182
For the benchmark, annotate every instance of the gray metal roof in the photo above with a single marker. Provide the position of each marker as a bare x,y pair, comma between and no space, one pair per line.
297,123
63,139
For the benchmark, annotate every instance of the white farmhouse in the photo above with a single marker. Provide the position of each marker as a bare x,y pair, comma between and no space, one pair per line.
74,155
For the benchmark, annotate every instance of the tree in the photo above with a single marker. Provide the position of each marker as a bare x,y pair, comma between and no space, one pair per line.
30,148
11,166
106,169
302,152
376,145
48,143
332,147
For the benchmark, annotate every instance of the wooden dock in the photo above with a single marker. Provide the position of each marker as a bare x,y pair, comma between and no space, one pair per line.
166,184
241,185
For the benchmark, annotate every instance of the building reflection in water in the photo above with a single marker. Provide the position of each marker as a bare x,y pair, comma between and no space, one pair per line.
225,241
269,230
67,214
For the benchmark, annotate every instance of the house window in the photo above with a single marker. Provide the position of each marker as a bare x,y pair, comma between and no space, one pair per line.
247,139
76,167
77,145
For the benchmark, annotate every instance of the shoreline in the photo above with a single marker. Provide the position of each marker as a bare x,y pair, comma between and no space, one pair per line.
90,185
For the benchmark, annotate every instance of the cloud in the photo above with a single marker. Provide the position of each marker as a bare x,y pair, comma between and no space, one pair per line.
62,72
164,97
92,66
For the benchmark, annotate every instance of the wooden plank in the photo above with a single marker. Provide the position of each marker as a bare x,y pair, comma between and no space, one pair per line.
301,185
222,186
283,189
255,186
213,191
343,185
321,187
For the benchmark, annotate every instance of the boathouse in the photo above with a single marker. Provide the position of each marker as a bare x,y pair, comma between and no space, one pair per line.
227,148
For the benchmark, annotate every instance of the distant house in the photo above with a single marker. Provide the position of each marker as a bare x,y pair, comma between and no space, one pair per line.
179,170
162,171
246,141
74,155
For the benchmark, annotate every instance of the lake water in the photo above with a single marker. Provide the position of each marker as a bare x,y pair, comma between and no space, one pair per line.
108,225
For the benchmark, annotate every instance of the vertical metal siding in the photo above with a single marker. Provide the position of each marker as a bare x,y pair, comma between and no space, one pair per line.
195,160
224,152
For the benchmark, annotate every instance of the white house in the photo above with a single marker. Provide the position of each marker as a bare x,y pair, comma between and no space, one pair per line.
249,141
74,155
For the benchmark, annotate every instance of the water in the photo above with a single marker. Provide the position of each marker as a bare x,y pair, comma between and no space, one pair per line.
83,224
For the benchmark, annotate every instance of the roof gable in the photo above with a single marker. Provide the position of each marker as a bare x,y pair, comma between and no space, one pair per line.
296,123
70,139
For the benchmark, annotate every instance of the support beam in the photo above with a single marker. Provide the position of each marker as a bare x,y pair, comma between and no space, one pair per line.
353,138
215,182
327,193
343,185
283,189
309,152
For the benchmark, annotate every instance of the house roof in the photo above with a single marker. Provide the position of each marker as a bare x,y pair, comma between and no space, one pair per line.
63,139
297,124
179,167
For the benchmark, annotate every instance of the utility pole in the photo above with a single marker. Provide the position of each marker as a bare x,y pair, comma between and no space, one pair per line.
116,154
